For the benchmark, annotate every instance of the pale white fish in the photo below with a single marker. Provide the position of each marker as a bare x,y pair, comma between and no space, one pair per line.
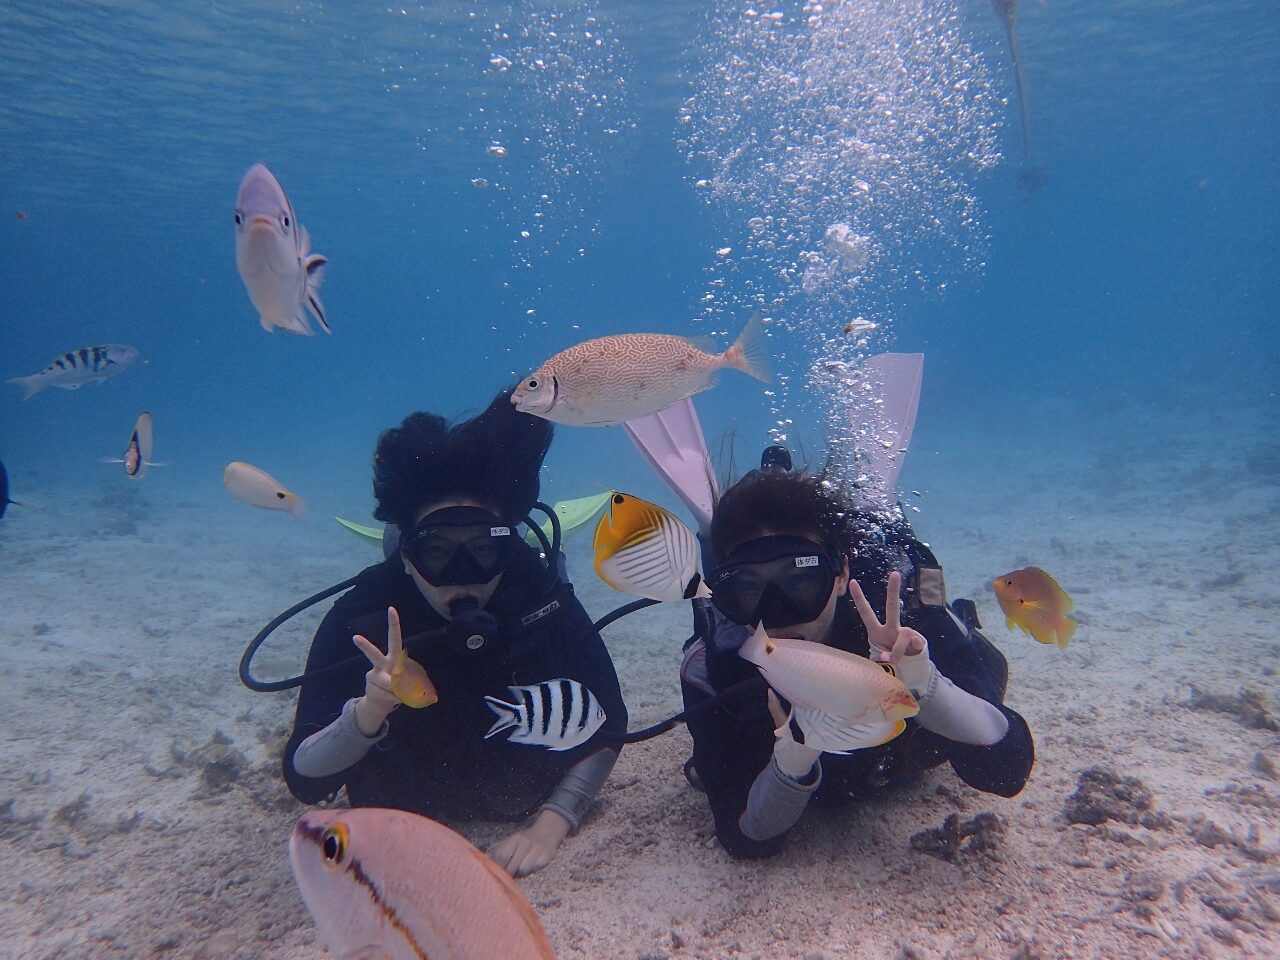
644,550
273,253
75,368
137,452
612,379
259,489
821,731
556,714
834,681
392,885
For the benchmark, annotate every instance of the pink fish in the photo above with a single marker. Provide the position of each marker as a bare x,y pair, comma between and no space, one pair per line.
391,885
841,684
612,379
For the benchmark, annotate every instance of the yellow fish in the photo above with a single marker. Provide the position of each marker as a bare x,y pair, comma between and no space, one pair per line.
410,683
643,549
1032,600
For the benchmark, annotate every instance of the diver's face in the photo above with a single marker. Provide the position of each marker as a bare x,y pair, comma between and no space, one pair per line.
440,599
817,629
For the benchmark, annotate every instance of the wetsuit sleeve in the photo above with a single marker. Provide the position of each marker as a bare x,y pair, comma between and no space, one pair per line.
321,703
1001,768
729,756
586,659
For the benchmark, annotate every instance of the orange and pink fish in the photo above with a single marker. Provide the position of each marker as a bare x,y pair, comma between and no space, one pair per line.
392,885
1033,601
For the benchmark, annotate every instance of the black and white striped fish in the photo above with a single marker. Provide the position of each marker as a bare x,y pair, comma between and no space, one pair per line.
75,368
556,714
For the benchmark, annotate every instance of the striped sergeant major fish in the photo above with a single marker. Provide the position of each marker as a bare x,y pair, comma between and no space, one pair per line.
556,714
273,254
75,368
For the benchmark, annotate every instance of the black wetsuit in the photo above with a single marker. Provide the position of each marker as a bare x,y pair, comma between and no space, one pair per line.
435,760
734,742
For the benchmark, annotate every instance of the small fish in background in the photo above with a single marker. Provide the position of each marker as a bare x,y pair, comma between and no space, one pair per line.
642,549
410,683
22,215
4,490
75,368
556,714
273,254
392,885
258,488
612,379
821,731
842,684
137,453
1033,601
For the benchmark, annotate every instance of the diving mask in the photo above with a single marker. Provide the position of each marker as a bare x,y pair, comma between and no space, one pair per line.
777,581
459,545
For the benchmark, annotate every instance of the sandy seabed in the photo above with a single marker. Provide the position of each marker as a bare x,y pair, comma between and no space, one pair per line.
142,813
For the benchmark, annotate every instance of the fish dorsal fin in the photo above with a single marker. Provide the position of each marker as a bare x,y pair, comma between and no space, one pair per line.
537,936
1061,594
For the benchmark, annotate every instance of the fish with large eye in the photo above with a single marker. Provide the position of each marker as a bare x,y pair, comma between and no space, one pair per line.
392,885
273,254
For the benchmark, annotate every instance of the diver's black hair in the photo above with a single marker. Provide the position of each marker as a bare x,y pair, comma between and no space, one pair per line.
799,504
493,458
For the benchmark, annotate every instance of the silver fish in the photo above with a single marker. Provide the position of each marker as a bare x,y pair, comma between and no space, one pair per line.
75,368
273,254
556,714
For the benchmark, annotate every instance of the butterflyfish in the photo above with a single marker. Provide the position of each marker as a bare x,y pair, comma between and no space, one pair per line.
821,731
612,379
258,488
644,550
410,683
556,714
1033,601
137,452
842,684
392,885
273,253
75,368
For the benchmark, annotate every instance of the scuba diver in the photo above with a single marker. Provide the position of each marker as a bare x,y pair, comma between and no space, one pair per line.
792,553
490,620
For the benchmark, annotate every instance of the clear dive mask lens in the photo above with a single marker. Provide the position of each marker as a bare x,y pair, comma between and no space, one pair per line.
459,546
777,581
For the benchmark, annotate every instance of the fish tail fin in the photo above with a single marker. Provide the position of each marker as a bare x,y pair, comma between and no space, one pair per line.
1066,630
508,715
30,385
750,352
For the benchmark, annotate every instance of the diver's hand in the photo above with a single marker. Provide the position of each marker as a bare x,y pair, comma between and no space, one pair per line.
378,701
891,642
794,759
528,851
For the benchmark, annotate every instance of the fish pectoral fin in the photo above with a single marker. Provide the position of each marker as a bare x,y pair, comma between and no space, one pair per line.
1032,604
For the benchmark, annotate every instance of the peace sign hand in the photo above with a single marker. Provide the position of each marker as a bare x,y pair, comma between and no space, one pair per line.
889,640
378,700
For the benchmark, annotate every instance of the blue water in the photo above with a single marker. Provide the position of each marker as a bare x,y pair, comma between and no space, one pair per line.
1126,308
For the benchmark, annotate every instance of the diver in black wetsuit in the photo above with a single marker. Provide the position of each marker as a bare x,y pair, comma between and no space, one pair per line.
794,556
457,494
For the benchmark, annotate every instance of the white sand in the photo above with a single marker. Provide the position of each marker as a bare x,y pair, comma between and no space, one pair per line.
122,643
